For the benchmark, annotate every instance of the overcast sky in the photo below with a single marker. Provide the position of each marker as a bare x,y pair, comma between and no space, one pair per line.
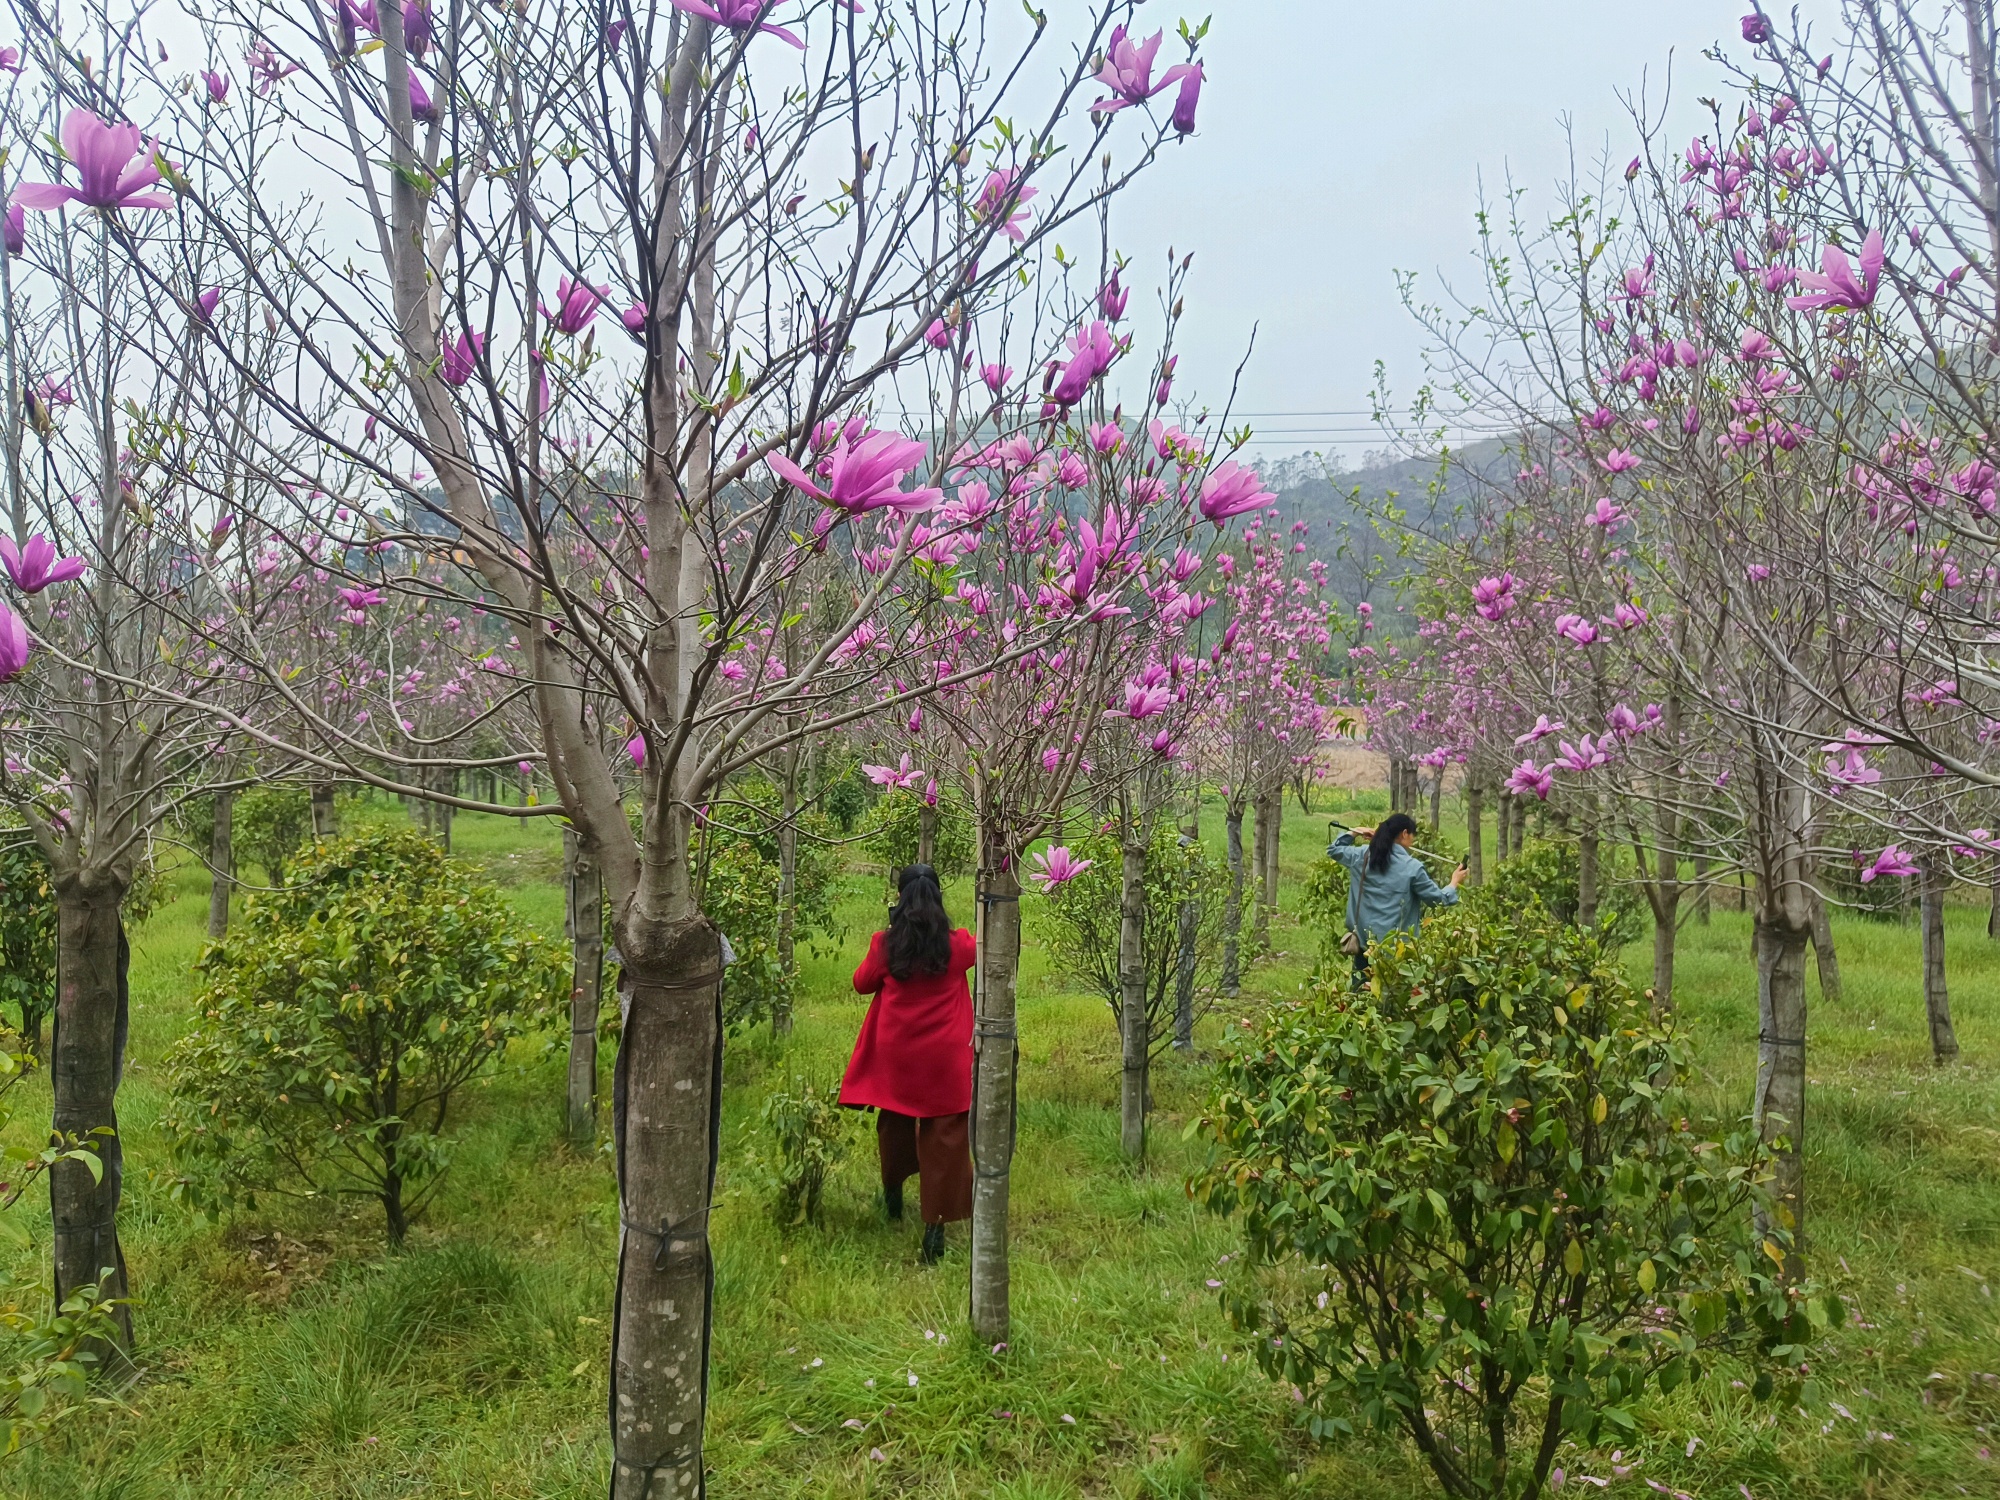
1341,142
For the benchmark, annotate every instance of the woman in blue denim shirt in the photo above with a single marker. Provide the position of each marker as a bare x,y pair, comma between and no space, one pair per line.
1388,887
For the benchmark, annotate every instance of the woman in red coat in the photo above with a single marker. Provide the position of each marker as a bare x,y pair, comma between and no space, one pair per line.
913,1060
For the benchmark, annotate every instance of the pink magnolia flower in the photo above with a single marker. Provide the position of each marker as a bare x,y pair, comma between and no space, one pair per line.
1128,72
1528,778
996,377
864,473
1231,490
205,304
1092,350
116,165
576,306
1112,298
1544,727
1756,28
1584,755
1003,200
902,775
1848,766
1051,758
35,566
1143,700
1606,513
1839,283
218,86
15,232
1576,628
739,15
1891,861
1186,103
1056,866
1492,598
1627,616
1755,346
14,645
1618,460
458,360
634,747
634,319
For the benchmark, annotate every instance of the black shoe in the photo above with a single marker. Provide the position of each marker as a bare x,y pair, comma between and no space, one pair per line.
892,1202
933,1244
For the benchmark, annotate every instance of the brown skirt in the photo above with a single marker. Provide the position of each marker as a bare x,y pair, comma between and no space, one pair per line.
938,1150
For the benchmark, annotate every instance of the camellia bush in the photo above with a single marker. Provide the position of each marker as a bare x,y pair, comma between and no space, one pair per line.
341,1018
1476,1208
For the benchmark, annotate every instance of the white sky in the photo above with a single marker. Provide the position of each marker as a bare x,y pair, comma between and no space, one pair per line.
1343,141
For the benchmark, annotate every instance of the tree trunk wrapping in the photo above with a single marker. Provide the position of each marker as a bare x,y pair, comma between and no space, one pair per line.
221,863
1937,999
585,889
86,1063
1232,905
666,1122
996,1059
1780,1104
1132,1027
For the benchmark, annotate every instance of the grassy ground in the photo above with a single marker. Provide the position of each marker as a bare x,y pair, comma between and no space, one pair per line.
290,1356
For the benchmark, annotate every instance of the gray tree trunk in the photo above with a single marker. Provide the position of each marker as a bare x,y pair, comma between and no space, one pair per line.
666,1115
222,863
1272,850
1823,951
788,887
86,1064
1587,875
1702,902
1937,999
1503,829
926,834
1260,863
1475,832
1437,800
1232,904
584,887
1780,1103
1993,913
1190,925
996,1059
325,818
1134,1031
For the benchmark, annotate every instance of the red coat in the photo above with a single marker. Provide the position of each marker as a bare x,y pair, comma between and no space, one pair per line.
914,1054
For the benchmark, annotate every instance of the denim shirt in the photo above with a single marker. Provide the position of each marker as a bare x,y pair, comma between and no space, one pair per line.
1391,900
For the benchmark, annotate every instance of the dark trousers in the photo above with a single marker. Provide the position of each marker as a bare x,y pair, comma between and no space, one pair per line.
938,1151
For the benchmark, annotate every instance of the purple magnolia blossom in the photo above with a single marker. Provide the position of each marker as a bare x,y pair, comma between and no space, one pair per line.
904,775
458,360
996,377
1755,347
1492,598
1232,490
1756,29
636,749
218,86
1003,198
14,645
1584,755
1111,299
938,335
16,231
576,305
35,566
1165,389
1188,100
1576,628
1530,779
422,106
10,60
1056,866
1606,514
1891,861
1619,460
116,165
634,319
739,15
1839,283
1128,72
270,69
1143,700
864,473
1544,727
204,305
1092,350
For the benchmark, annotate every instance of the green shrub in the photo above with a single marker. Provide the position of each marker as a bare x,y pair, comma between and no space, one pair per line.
806,1133
1475,1208
340,1018
1547,871
895,830
269,827
1079,923
27,936
845,799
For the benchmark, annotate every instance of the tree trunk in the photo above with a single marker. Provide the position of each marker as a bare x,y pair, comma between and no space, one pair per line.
86,1063
1272,847
221,863
996,1060
1702,902
1260,862
1190,926
1503,827
926,834
1232,904
1993,914
584,884
666,1116
1823,951
1133,1028
1437,800
1475,833
788,888
1937,999
1780,1104
448,784
1587,875
325,820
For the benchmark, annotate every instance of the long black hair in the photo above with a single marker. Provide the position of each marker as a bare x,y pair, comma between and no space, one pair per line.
1383,844
919,930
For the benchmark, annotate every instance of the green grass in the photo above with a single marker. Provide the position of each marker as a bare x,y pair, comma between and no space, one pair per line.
289,1355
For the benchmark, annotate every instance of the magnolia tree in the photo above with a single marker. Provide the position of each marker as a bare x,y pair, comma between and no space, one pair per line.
797,226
